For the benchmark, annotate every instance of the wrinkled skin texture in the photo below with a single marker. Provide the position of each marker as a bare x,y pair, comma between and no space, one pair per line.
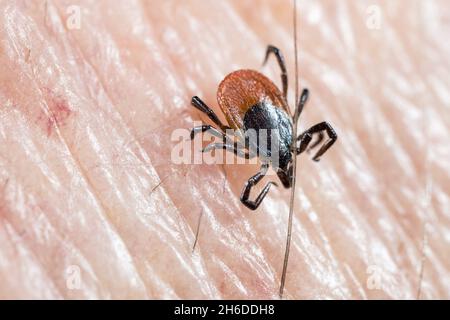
91,205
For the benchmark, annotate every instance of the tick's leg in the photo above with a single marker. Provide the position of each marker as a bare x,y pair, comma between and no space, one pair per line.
210,129
306,137
253,205
301,103
319,139
200,105
281,63
234,148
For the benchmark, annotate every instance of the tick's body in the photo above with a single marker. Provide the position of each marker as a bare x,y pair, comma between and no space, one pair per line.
243,89
251,102
266,116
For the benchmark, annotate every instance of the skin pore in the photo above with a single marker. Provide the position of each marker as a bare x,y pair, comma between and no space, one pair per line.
92,206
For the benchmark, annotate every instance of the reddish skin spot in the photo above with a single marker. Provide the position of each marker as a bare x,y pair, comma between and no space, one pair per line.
58,111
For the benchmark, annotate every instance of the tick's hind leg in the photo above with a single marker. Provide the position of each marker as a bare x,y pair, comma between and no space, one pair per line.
200,105
253,205
306,137
281,63
319,139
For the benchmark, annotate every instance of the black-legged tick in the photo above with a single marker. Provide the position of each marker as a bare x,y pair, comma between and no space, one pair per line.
250,101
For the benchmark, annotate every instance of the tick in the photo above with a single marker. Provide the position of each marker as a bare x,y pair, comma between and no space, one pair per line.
251,102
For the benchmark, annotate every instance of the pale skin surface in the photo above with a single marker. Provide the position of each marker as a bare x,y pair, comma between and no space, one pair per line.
89,188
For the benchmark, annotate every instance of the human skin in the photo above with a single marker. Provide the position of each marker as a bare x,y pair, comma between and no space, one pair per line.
92,204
